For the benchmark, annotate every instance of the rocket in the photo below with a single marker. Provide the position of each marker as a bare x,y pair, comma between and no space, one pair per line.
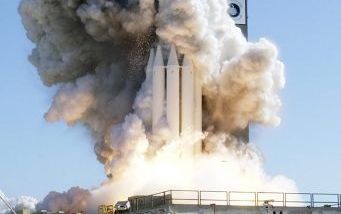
187,92
149,69
158,71
177,95
173,93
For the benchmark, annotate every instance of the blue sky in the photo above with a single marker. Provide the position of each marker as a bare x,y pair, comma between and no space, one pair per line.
37,157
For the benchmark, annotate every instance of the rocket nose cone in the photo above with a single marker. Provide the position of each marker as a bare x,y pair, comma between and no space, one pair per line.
187,62
158,61
151,59
173,58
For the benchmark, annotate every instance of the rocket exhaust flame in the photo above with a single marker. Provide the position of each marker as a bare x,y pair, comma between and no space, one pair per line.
96,52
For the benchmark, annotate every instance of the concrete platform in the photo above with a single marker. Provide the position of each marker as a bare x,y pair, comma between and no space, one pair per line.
224,202
237,210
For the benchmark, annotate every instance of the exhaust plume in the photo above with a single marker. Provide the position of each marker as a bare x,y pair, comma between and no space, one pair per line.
95,52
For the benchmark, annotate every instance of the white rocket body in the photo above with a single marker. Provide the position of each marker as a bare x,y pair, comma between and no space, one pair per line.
158,89
187,95
184,96
150,66
173,93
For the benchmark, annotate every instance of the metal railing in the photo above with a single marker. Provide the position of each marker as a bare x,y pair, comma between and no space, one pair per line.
235,198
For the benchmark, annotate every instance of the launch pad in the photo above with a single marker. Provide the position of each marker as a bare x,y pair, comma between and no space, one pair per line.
225,202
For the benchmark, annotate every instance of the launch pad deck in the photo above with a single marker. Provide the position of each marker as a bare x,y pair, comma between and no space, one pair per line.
225,202
240,210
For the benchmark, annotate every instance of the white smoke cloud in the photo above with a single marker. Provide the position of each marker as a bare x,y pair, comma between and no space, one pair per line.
202,30
237,169
143,102
72,100
130,145
96,51
22,202
246,89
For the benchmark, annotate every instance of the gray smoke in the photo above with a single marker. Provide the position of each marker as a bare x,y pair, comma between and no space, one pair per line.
75,200
95,52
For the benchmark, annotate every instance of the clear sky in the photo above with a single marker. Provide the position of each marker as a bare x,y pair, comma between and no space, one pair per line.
37,157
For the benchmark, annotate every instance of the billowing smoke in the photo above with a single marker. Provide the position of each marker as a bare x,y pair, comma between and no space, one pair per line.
73,201
96,52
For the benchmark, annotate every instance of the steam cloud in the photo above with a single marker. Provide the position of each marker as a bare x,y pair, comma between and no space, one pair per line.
96,51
